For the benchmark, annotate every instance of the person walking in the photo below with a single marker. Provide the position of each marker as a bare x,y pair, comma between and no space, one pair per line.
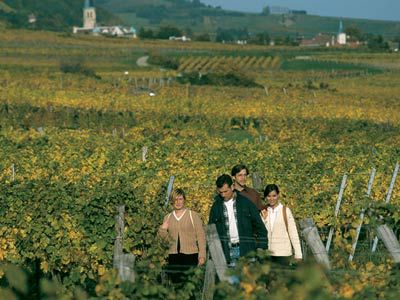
283,237
184,230
237,220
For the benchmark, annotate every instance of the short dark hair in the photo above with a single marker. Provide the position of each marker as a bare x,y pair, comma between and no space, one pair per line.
224,179
236,169
270,188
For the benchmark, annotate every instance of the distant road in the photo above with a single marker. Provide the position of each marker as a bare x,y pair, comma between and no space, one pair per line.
142,61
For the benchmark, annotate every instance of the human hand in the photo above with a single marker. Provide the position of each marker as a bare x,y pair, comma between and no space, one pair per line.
264,214
202,261
165,225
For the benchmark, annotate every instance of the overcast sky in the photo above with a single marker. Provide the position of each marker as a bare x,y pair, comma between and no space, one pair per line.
365,9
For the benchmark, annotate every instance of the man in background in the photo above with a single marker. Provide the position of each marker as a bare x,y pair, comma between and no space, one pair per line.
239,174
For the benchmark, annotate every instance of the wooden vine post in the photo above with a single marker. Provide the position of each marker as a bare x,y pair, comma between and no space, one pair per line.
144,153
13,172
311,236
188,91
388,196
257,181
386,234
362,215
169,189
339,201
124,263
216,252
266,90
209,281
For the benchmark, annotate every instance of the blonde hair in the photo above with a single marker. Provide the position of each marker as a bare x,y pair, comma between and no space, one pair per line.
175,193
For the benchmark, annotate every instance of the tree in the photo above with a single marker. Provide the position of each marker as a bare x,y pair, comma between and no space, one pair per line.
188,32
197,3
203,37
146,34
266,11
377,43
166,31
224,35
354,33
261,38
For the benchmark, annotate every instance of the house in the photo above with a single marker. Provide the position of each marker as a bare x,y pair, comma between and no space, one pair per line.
394,46
116,31
279,10
31,19
320,40
180,38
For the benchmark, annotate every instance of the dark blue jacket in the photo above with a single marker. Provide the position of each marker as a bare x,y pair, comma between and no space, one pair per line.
252,232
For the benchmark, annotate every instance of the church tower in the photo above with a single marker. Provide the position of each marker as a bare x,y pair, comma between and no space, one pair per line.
341,36
89,15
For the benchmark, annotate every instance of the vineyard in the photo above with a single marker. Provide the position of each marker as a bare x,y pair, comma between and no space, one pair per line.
212,64
72,151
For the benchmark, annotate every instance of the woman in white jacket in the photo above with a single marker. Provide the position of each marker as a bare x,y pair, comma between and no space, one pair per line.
283,237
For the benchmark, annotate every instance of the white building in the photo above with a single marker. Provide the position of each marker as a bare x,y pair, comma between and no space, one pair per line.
180,38
279,10
31,19
116,31
89,18
89,15
341,36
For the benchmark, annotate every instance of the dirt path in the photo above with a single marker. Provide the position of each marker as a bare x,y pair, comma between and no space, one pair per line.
142,61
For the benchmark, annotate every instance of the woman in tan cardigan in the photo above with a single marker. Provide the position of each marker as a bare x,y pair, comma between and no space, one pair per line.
184,229
282,232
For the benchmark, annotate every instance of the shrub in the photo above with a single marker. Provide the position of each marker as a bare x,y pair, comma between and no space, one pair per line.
77,66
226,75
164,61
203,37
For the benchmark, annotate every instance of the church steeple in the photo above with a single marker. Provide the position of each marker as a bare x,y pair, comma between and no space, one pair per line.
340,27
89,15
89,3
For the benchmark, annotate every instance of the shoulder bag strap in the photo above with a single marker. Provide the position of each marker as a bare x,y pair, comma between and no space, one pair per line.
191,218
285,218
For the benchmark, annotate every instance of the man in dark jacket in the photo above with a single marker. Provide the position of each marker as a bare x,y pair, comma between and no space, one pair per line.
238,221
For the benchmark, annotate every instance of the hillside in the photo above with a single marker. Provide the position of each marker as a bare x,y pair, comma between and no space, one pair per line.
190,16
206,19
58,15
5,8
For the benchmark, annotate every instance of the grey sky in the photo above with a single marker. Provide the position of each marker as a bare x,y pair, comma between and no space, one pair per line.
365,9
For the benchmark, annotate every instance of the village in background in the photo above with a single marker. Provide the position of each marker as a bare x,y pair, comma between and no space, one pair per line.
346,34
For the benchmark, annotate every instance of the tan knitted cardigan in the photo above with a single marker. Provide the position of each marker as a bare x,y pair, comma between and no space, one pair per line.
190,231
